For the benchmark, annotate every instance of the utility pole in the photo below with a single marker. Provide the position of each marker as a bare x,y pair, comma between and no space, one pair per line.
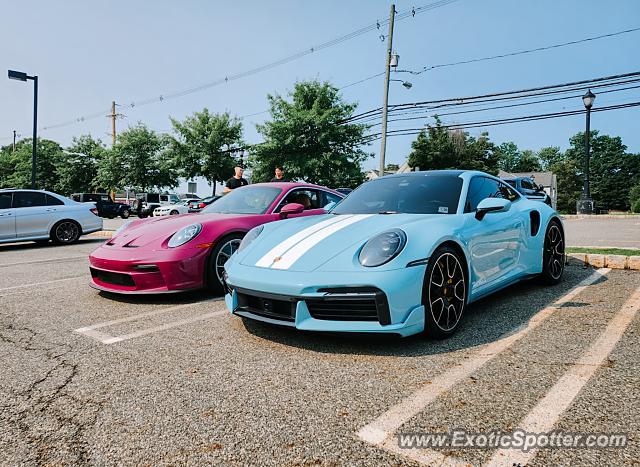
14,140
113,116
385,103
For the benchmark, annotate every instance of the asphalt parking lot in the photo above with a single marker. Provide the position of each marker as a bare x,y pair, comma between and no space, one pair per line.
89,378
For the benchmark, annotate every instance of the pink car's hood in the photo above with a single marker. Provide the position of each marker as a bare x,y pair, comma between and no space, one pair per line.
154,232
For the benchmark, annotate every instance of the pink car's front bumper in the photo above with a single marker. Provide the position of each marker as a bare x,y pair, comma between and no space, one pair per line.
131,271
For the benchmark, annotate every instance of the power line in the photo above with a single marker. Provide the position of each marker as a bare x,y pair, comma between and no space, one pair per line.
515,94
527,51
290,58
412,12
504,121
520,104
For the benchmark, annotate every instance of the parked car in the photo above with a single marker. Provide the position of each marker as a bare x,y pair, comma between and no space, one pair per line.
173,209
528,187
42,216
402,254
199,205
176,253
145,203
106,206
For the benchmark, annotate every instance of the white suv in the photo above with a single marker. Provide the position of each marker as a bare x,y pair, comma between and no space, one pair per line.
41,215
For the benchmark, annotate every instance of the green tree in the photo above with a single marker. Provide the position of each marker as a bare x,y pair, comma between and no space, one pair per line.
16,166
511,159
204,143
508,156
549,156
438,148
634,198
612,171
569,184
307,136
528,162
78,169
111,171
142,156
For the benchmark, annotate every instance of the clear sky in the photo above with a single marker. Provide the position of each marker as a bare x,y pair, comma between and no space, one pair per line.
88,53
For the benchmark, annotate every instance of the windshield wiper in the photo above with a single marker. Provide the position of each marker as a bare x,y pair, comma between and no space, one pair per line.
388,212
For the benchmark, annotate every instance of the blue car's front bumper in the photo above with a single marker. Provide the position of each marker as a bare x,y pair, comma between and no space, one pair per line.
401,290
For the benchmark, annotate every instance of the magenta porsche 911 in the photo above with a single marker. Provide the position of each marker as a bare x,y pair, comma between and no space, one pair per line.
178,253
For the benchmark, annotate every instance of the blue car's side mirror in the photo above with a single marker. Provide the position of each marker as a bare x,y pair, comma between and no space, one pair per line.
488,205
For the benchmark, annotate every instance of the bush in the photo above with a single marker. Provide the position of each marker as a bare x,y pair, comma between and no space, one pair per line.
634,198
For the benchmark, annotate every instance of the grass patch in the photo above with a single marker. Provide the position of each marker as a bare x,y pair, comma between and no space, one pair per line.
603,251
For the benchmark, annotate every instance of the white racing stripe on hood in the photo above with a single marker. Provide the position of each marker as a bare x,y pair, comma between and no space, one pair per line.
281,248
304,246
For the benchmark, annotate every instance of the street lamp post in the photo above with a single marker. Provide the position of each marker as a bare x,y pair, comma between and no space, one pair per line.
21,76
585,203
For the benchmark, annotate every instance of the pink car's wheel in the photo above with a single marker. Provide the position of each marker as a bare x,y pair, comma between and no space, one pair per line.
219,256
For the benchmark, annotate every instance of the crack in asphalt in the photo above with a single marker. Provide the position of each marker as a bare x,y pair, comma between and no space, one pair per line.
44,414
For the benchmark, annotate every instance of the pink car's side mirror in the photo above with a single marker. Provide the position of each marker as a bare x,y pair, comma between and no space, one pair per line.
291,208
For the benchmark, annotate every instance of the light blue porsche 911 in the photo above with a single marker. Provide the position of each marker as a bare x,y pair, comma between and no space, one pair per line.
402,254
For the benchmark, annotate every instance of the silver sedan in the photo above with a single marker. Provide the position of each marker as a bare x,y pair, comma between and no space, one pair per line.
41,216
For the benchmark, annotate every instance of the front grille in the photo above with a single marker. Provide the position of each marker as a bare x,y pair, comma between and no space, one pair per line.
351,304
266,305
112,277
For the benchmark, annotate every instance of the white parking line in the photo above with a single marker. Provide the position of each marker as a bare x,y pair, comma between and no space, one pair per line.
163,327
142,315
381,430
44,261
546,413
38,284
103,337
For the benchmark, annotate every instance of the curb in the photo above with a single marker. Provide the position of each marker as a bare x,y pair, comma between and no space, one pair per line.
101,233
608,261
600,216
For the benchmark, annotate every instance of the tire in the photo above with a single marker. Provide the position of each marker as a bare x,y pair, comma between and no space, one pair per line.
174,213
553,257
125,214
66,232
444,290
220,253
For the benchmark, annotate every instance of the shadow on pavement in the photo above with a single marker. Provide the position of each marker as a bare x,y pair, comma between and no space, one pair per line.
485,321
180,298
32,245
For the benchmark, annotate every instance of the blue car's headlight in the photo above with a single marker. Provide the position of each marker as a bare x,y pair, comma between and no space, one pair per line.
184,235
382,248
251,236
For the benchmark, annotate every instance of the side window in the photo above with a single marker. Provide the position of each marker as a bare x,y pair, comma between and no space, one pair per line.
508,192
53,201
330,198
5,200
481,188
310,199
27,199
527,184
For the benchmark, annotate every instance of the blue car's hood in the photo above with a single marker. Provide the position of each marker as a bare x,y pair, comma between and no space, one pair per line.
330,242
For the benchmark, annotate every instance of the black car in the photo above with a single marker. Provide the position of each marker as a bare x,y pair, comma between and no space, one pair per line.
105,205
529,189
199,204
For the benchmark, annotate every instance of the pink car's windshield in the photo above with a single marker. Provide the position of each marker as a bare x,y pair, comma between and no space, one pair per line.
245,200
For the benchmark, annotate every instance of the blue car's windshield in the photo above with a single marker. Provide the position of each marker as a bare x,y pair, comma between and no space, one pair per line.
411,194
245,200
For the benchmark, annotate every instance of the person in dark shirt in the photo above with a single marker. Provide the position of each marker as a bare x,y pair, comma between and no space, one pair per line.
279,175
236,181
